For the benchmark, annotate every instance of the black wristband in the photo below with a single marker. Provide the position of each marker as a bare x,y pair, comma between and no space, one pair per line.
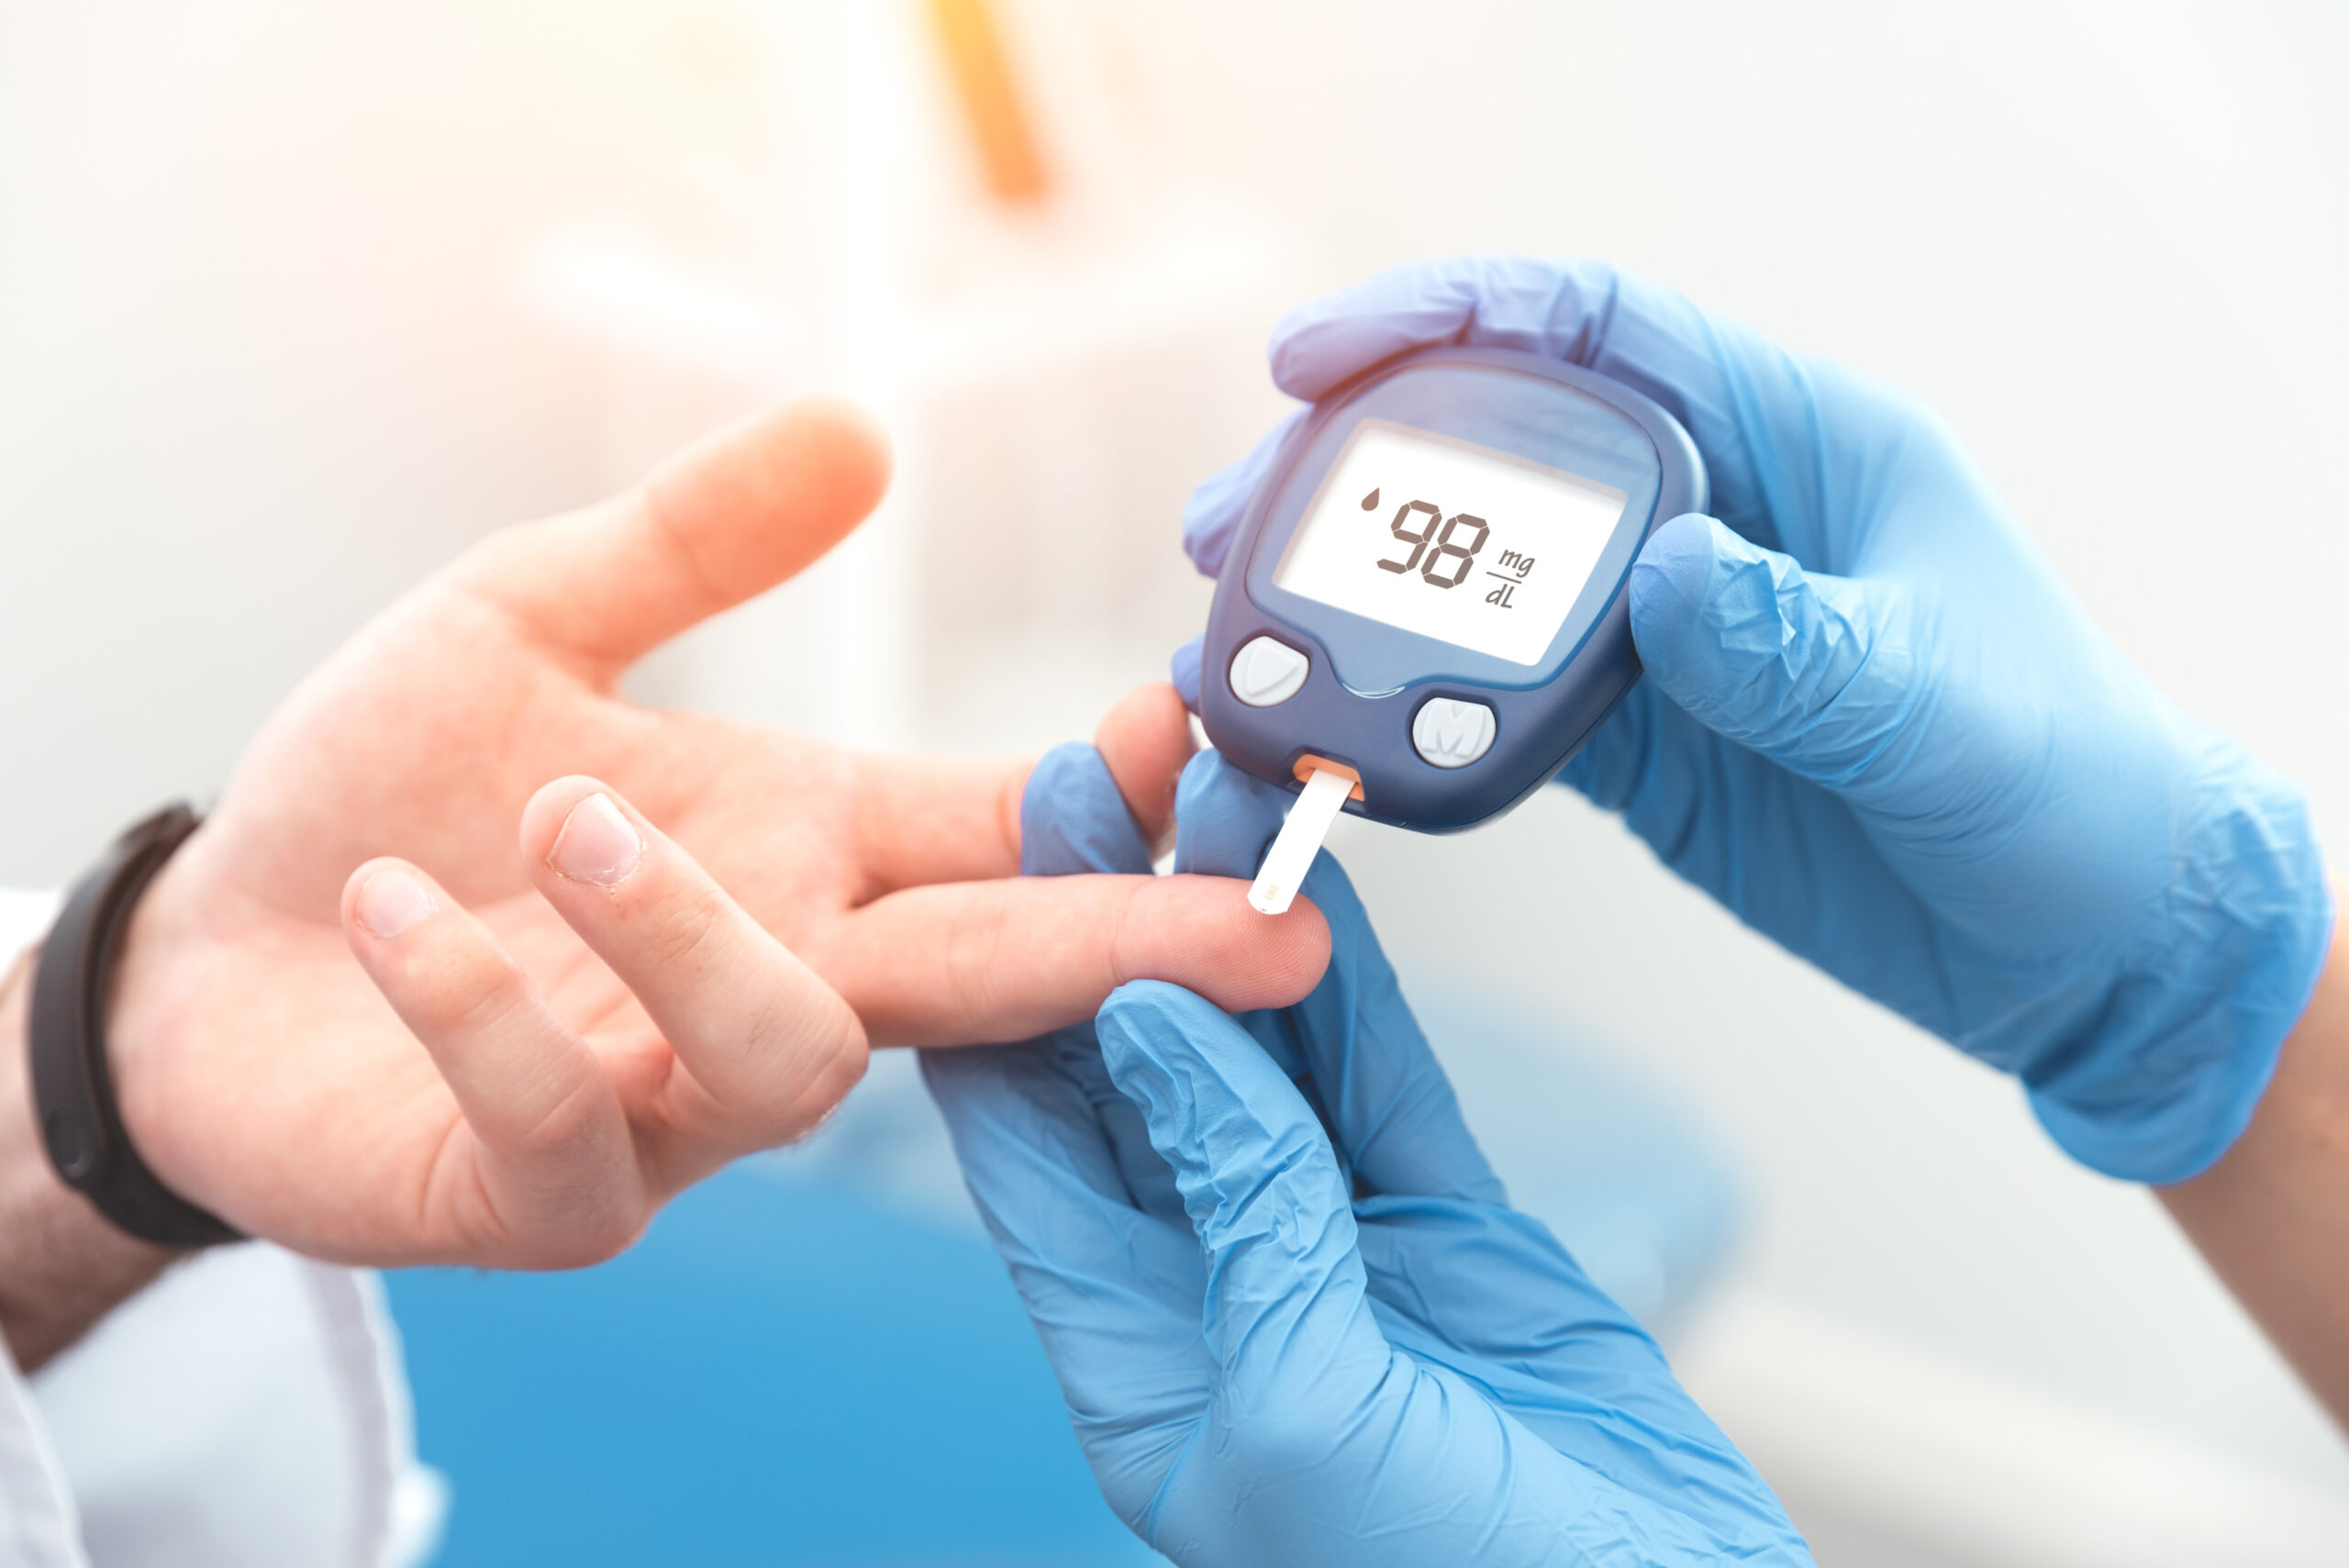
72,1089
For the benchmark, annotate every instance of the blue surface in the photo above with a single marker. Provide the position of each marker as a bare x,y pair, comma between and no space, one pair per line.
782,1372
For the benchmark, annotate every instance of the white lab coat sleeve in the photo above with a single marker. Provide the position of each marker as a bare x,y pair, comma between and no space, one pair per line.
248,1408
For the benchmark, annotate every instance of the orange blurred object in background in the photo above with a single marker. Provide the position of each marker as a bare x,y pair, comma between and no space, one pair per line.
991,102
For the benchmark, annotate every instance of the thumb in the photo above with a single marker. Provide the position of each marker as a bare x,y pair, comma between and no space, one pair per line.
1224,819
723,521
1073,818
1819,673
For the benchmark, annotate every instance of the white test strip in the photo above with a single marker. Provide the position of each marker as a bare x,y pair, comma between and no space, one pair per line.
1292,853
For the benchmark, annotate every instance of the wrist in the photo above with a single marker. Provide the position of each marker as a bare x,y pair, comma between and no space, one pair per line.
63,1266
147,993
77,1078
2189,1032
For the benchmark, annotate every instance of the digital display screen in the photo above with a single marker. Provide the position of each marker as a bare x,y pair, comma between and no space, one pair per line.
1473,547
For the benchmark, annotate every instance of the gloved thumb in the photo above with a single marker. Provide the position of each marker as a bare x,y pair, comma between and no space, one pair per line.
1224,819
1815,672
1072,817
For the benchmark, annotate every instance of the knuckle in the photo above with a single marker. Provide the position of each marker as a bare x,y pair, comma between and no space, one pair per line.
689,930
791,1061
1127,954
612,1229
563,1128
579,1239
570,1215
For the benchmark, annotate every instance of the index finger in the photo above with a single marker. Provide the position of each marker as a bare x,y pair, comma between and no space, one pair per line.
1391,1108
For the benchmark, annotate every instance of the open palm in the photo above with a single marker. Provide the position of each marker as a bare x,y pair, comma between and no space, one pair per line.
542,1039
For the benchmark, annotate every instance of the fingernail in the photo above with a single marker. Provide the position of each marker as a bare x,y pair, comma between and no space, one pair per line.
597,844
391,902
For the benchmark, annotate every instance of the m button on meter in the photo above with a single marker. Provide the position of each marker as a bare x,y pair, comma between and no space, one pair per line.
1265,672
1451,734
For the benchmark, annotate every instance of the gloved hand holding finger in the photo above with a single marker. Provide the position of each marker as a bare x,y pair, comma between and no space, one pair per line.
1387,1101
1291,1313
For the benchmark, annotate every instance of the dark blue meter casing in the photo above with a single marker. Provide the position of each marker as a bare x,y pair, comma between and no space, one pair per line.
1456,630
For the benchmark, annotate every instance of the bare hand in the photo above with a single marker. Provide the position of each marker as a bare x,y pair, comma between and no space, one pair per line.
682,959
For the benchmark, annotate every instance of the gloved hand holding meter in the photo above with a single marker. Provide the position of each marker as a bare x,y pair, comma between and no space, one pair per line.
1422,615
1874,723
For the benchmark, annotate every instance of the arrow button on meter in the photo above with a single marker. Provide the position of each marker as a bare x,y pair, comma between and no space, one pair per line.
1265,674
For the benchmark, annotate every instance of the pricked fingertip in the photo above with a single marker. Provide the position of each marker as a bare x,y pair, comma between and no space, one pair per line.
1200,932
1285,956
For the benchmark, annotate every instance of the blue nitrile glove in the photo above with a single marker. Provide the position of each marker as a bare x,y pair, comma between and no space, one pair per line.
1294,1318
1879,729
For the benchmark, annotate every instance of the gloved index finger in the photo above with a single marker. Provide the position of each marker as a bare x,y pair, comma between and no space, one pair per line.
1353,1045
1287,1292
1114,1292
1743,398
1388,1099
1211,518
1072,820
1224,821
1585,313
1769,422
1081,1208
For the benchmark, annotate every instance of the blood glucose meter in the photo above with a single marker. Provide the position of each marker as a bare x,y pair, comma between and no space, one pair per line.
1426,596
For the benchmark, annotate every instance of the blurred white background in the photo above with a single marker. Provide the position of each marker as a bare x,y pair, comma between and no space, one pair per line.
296,300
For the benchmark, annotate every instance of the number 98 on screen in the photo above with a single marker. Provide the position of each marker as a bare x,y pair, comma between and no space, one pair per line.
1470,546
